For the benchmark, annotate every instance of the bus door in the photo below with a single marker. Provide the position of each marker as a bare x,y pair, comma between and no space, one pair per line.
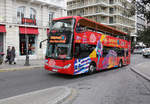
126,56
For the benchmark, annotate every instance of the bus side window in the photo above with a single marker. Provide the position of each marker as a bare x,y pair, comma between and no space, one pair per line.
120,52
80,28
105,51
127,53
83,50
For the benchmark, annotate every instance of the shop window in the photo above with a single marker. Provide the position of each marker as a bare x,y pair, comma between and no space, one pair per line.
1,42
31,44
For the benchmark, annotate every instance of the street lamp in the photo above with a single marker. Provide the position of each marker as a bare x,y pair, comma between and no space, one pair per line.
27,47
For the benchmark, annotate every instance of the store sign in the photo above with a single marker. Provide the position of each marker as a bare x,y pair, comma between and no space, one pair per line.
28,21
58,39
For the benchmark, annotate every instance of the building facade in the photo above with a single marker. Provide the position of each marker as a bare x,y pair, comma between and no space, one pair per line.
140,26
26,22
108,12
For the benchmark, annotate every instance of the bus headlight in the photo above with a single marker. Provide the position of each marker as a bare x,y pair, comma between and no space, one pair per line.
67,66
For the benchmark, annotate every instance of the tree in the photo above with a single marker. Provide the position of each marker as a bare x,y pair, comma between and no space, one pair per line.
144,36
129,11
143,7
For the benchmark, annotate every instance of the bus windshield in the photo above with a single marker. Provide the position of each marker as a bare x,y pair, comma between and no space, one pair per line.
59,51
62,25
60,39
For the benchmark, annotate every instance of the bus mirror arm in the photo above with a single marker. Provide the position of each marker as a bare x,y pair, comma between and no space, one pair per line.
40,45
42,42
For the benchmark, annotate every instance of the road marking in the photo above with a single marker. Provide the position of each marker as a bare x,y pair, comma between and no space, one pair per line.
21,68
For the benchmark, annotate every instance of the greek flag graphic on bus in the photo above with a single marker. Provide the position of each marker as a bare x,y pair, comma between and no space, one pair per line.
81,65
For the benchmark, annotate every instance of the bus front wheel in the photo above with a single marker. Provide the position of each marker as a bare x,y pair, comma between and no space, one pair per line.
92,68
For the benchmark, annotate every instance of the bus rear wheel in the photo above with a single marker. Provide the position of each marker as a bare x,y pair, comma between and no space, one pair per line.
92,69
120,64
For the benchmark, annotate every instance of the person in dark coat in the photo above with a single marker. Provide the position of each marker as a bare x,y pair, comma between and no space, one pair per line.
8,56
13,55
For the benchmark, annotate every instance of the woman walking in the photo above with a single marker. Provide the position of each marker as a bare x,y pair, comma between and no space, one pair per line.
13,55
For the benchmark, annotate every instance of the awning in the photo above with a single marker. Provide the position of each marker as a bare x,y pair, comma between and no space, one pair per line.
28,30
2,28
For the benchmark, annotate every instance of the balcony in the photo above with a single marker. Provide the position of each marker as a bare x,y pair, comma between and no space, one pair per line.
83,5
95,13
122,25
104,22
116,4
121,15
29,22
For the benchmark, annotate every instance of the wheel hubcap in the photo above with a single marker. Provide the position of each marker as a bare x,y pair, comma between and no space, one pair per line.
120,64
91,68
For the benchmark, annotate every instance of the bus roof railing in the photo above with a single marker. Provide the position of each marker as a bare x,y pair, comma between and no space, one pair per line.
96,25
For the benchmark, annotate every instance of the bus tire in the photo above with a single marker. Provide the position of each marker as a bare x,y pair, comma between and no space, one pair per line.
91,69
120,64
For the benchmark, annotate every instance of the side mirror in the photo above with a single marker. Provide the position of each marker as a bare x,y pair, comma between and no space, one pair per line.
40,44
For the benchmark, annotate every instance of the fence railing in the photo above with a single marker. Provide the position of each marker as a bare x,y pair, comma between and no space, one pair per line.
15,20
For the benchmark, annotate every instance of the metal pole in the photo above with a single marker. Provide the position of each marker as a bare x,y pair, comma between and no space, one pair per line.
27,48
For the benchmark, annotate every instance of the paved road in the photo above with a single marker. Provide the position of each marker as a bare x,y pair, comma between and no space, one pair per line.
118,86
114,87
138,58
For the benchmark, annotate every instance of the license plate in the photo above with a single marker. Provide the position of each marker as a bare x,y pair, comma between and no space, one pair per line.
55,70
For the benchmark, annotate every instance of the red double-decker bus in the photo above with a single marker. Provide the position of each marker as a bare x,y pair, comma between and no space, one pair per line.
78,45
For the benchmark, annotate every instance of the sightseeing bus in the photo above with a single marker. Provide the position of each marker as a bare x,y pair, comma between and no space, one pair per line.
77,45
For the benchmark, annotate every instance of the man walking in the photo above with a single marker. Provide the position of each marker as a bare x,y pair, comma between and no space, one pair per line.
8,56
13,55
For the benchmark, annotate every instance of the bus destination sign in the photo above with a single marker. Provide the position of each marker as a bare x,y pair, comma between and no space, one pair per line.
58,39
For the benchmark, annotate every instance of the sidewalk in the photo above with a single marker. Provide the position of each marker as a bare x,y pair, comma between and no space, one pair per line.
20,65
55,95
143,69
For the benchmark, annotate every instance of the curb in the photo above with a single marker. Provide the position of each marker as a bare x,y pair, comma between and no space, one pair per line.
62,98
71,98
21,68
140,73
55,95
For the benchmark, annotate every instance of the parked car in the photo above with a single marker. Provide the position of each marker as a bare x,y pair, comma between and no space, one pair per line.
146,52
138,50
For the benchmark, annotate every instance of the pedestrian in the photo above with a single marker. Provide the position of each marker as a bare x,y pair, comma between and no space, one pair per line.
8,56
13,55
132,50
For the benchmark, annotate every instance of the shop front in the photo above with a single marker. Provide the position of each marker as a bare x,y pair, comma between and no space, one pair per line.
2,32
1,42
28,35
